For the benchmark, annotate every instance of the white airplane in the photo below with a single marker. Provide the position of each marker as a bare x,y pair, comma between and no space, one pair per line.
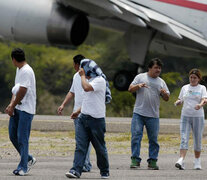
173,27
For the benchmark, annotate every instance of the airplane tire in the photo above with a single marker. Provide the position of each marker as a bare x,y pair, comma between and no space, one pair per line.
122,80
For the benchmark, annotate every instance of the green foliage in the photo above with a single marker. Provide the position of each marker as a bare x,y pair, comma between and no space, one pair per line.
171,78
168,109
122,103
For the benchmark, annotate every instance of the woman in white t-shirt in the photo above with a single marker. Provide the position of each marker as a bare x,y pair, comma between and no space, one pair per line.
193,96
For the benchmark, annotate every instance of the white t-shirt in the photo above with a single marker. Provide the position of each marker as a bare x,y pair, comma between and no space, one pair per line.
94,101
25,78
148,99
192,95
15,89
77,89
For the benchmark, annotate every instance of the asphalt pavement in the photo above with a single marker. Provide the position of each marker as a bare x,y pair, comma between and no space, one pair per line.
54,168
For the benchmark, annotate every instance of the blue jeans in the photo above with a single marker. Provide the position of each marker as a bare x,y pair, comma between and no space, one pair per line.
87,164
152,127
19,132
89,129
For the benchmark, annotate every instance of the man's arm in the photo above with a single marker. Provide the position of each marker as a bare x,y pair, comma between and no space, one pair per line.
86,86
165,96
67,99
133,88
14,101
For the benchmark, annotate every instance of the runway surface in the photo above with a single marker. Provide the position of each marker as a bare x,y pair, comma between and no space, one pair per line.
54,168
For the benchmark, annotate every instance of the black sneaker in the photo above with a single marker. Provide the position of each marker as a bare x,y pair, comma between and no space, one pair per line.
104,175
15,171
72,174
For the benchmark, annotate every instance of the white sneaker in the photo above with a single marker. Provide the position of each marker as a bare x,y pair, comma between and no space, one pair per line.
180,164
31,163
19,172
72,174
197,164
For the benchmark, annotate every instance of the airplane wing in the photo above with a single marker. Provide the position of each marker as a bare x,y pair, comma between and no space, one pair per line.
66,23
144,28
135,14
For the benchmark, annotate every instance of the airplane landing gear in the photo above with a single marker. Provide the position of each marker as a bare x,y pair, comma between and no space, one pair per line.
122,80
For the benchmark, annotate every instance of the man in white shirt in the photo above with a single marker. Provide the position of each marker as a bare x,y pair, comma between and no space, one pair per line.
21,110
76,92
91,125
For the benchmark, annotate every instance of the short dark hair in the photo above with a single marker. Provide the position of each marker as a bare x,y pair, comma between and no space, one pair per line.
18,54
155,61
77,59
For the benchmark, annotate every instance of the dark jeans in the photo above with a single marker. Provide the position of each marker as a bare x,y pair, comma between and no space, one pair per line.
87,164
152,126
19,132
89,129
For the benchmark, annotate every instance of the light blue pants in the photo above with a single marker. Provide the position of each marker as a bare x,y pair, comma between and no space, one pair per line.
197,126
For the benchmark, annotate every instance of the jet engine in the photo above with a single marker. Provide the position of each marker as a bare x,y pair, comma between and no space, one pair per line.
45,22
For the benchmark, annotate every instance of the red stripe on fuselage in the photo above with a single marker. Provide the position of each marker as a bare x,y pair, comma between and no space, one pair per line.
187,4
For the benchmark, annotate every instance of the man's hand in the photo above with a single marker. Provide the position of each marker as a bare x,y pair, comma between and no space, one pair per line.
81,72
10,110
164,94
75,114
60,109
142,85
135,87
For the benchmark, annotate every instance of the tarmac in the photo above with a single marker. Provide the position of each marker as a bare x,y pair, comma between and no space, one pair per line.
54,168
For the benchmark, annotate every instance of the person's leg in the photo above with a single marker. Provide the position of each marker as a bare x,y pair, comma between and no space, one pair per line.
152,127
198,127
87,165
197,153
82,142
183,153
13,127
137,125
24,128
185,127
97,131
